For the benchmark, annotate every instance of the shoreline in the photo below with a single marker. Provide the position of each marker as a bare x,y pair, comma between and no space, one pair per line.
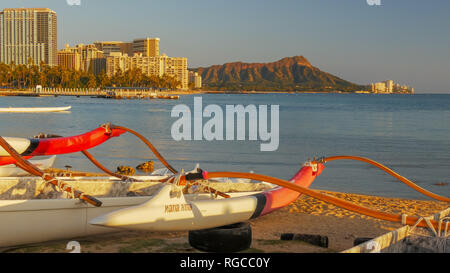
25,93
304,216
283,92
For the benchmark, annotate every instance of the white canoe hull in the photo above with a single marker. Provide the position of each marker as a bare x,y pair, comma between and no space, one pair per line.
34,109
28,221
35,221
164,212
13,170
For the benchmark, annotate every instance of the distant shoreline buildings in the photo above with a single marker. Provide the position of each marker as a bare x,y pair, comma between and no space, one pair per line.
114,57
31,34
389,87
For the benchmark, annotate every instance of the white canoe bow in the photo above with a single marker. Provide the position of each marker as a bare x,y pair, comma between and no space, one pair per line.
12,170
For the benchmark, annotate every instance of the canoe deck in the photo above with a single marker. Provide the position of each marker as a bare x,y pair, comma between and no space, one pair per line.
29,188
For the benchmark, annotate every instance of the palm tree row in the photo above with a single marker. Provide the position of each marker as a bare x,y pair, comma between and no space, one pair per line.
30,75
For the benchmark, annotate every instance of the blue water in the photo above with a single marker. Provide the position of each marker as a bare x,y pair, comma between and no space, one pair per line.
410,134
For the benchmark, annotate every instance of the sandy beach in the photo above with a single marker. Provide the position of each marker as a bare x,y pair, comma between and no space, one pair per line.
305,216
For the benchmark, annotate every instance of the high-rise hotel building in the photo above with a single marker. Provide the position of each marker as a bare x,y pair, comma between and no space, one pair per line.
28,33
148,47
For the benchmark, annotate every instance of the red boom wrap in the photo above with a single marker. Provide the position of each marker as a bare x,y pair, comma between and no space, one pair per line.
282,197
67,145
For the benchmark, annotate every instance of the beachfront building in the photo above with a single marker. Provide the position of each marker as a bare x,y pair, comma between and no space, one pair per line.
195,79
69,59
91,58
176,67
148,65
82,58
389,87
148,47
28,34
116,62
108,47
379,87
151,66
404,89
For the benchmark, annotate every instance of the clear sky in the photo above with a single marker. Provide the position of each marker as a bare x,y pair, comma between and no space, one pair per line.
407,41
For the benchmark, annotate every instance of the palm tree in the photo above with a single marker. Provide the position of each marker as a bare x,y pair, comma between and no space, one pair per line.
5,72
102,79
42,74
13,74
30,71
92,83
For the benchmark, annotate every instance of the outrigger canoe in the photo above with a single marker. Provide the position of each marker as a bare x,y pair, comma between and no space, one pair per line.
30,216
172,202
34,109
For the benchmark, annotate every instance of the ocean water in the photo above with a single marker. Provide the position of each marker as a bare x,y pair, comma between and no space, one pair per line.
408,133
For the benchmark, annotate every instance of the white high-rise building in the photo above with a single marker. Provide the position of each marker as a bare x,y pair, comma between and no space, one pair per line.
196,79
152,66
389,86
